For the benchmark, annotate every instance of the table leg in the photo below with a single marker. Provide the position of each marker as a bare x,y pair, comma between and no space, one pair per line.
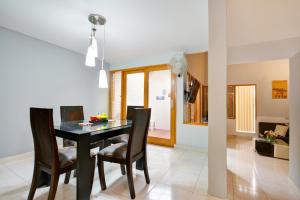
83,168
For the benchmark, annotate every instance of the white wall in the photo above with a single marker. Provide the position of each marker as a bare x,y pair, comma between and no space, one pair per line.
188,135
256,21
144,61
160,115
35,73
294,164
262,74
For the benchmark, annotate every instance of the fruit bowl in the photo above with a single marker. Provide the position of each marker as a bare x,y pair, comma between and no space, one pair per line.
98,118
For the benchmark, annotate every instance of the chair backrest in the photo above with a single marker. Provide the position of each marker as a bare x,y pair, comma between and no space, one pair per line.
71,113
130,111
139,132
45,146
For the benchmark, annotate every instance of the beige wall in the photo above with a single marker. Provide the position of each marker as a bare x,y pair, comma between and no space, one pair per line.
294,165
197,66
272,50
262,74
256,21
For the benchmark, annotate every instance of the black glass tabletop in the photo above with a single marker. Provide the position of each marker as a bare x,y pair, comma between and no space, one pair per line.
82,127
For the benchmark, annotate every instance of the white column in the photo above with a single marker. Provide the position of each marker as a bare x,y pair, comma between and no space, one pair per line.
217,86
294,100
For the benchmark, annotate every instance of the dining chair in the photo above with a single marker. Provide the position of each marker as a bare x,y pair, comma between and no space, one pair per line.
47,157
124,137
127,153
68,114
71,113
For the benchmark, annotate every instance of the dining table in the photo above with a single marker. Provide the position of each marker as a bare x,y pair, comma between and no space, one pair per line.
86,135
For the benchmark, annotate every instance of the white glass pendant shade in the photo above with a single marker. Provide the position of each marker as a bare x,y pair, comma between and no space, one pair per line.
90,59
95,47
92,53
102,79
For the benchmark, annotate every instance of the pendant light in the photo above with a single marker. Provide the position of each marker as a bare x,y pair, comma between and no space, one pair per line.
92,51
102,73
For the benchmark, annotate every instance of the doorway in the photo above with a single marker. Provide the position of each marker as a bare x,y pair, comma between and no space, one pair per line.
153,87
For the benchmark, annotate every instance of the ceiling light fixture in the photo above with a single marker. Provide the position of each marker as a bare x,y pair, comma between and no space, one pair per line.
102,73
92,52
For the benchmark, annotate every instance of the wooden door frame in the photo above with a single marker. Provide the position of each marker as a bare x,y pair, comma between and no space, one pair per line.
146,69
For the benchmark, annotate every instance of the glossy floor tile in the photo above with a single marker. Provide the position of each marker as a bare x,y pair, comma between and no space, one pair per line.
175,173
251,176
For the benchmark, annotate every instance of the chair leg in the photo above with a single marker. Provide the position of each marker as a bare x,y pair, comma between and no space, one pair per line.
146,170
93,160
123,171
101,174
53,186
34,183
67,177
130,180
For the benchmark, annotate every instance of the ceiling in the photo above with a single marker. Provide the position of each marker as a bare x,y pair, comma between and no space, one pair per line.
134,29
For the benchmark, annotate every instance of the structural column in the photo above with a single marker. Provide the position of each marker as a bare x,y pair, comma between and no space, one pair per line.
217,87
294,101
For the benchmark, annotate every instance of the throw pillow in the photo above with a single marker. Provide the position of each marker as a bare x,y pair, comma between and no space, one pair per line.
281,130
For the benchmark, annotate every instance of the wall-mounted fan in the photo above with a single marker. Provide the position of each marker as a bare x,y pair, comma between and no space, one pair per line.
178,64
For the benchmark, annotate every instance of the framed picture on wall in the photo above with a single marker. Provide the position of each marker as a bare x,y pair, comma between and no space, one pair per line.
279,89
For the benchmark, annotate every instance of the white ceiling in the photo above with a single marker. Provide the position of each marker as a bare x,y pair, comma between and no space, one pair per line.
134,29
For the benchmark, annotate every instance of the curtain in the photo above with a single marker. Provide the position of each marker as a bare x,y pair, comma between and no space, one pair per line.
116,95
245,108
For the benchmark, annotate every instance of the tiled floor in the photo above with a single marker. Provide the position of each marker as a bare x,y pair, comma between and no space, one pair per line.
251,176
174,173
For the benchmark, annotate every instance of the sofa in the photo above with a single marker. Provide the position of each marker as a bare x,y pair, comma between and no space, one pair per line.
278,149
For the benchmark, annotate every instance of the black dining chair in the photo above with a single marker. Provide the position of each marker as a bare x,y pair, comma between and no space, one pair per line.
68,114
127,153
47,157
71,113
124,137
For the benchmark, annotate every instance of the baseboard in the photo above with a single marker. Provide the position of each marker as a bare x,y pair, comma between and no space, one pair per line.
193,148
22,156
246,135
214,198
295,187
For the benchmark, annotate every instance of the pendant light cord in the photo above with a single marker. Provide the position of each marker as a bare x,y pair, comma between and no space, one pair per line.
103,47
